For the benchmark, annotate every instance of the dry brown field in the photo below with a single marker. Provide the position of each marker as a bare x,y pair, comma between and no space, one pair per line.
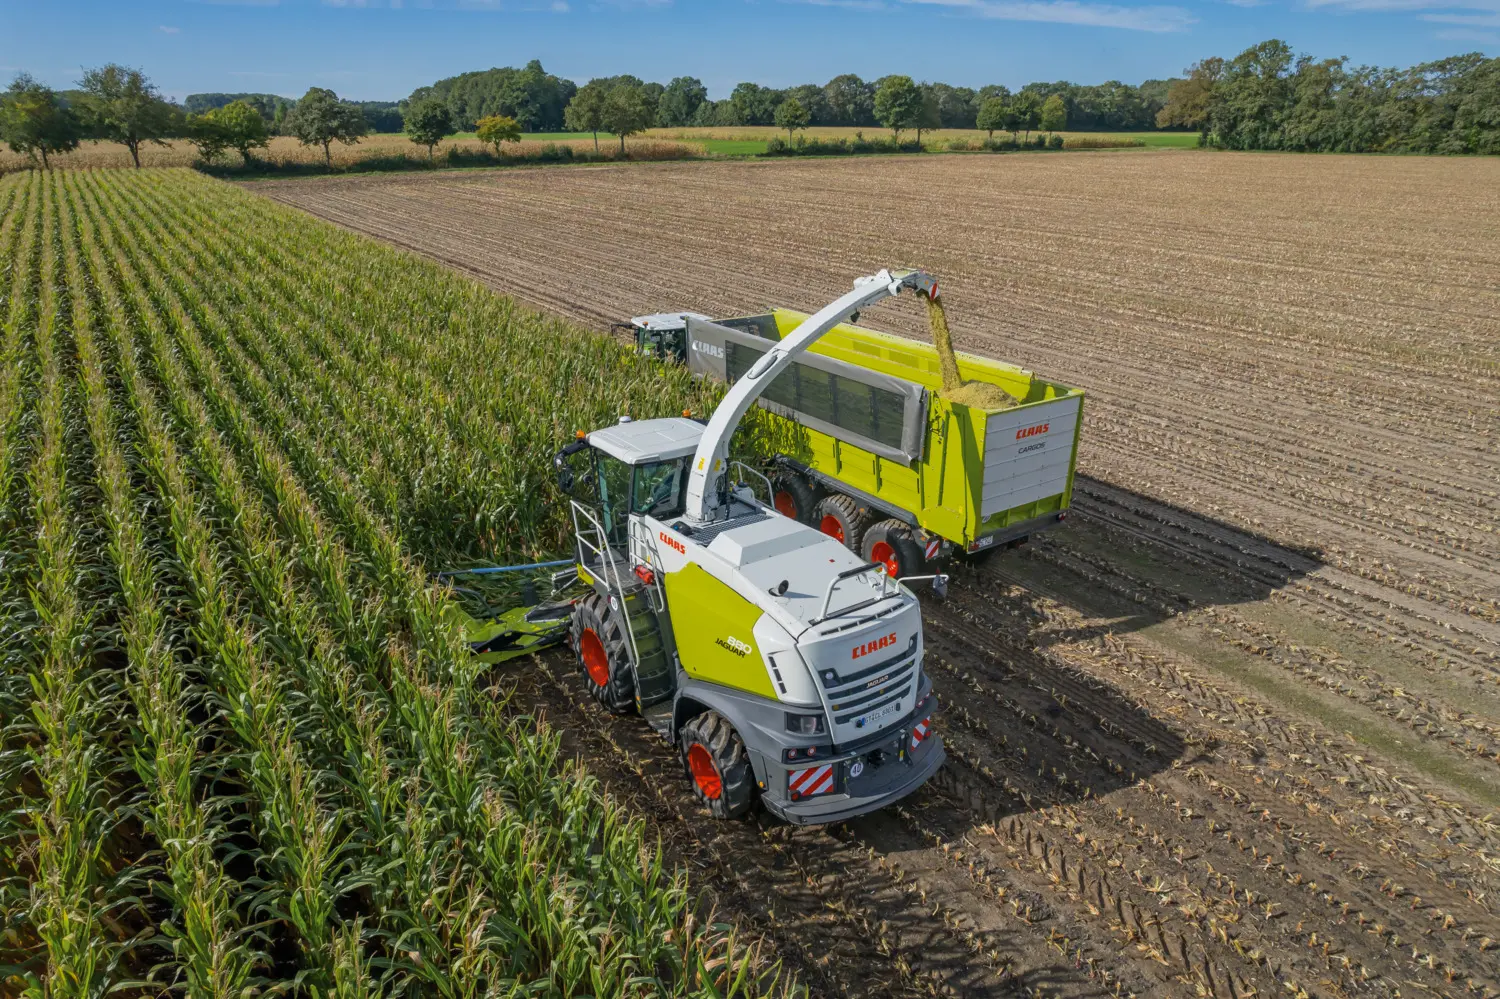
284,150
1234,729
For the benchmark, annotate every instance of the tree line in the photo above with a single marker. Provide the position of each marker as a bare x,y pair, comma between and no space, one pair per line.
381,116
1267,98
540,101
118,104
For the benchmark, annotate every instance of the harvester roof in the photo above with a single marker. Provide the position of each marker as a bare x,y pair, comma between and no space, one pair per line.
639,441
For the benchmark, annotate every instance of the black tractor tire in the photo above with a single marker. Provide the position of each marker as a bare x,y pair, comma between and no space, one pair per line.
598,636
840,517
795,497
713,754
891,542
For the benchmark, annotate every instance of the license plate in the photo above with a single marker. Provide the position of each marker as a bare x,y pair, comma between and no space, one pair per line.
894,708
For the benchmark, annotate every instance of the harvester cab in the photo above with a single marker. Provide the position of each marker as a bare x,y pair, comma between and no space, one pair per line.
781,665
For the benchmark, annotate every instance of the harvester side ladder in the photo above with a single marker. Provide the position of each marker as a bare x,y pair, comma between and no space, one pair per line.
609,570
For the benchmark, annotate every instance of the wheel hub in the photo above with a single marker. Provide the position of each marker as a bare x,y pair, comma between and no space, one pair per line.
595,659
831,527
785,503
701,763
883,553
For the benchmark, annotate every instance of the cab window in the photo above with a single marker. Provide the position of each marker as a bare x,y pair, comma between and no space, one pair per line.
660,489
614,496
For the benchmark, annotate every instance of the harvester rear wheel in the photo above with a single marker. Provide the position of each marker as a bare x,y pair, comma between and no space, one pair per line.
839,516
795,497
598,633
890,542
715,759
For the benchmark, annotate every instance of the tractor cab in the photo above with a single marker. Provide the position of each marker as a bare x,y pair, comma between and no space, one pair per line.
630,468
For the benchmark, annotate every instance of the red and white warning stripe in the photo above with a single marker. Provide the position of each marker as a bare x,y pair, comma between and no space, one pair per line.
811,780
922,729
932,548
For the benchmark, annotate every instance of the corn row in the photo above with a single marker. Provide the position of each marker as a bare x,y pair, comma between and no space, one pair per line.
72,811
204,930
304,839
19,236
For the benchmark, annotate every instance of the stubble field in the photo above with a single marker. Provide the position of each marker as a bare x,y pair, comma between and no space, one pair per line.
1233,730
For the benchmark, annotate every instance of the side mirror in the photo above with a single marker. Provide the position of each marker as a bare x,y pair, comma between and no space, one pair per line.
565,477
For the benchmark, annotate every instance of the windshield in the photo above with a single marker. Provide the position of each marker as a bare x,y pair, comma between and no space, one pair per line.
660,489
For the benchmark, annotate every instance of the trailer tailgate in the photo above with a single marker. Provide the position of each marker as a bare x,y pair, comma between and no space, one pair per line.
1028,453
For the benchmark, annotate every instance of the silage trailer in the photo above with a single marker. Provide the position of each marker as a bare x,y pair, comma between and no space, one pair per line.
875,455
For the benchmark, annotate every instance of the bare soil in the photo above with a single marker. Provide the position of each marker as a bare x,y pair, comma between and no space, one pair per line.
1234,729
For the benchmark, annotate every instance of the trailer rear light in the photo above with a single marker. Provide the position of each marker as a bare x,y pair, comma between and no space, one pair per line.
645,575
1063,515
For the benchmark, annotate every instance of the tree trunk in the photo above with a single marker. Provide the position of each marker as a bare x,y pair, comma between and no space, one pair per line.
622,145
596,143
327,156
45,164
135,153
245,155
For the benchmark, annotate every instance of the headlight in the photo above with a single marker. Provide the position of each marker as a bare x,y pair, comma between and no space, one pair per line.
804,724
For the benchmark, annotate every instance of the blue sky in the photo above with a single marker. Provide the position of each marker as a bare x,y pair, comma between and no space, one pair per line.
383,50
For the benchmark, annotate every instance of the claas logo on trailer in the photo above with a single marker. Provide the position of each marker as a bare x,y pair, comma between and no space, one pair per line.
1024,432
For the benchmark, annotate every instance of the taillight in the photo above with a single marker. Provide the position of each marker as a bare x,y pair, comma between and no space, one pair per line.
807,753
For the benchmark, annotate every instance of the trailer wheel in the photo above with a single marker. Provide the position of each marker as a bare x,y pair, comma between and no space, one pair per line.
795,497
838,516
598,633
714,756
890,543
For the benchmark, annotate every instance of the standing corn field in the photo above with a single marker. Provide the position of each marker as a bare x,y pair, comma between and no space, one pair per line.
242,748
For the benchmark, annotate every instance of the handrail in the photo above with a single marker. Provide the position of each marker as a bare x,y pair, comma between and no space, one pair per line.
770,492
847,574
611,573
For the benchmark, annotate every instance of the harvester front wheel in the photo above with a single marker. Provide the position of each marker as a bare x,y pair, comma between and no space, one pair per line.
838,516
598,633
890,543
715,759
795,497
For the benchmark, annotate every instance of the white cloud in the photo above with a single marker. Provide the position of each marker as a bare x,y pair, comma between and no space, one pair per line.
1099,15
1247,3
1468,35
168,29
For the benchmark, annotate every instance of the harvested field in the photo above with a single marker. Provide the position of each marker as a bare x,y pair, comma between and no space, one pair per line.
1235,729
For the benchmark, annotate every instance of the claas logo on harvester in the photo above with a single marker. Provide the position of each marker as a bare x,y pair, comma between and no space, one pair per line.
874,645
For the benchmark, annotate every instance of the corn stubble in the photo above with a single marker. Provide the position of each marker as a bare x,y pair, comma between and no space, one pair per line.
242,749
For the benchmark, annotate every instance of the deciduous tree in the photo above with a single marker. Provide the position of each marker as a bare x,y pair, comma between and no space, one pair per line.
34,120
626,112
428,122
321,119
898,104
991,115
244,127
122,105
206,135
585,112
1053,116
680,101
498,128
791,115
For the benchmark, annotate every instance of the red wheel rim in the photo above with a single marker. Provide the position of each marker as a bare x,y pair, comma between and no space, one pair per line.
786,505
595,660
832,527
704,772
885,554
